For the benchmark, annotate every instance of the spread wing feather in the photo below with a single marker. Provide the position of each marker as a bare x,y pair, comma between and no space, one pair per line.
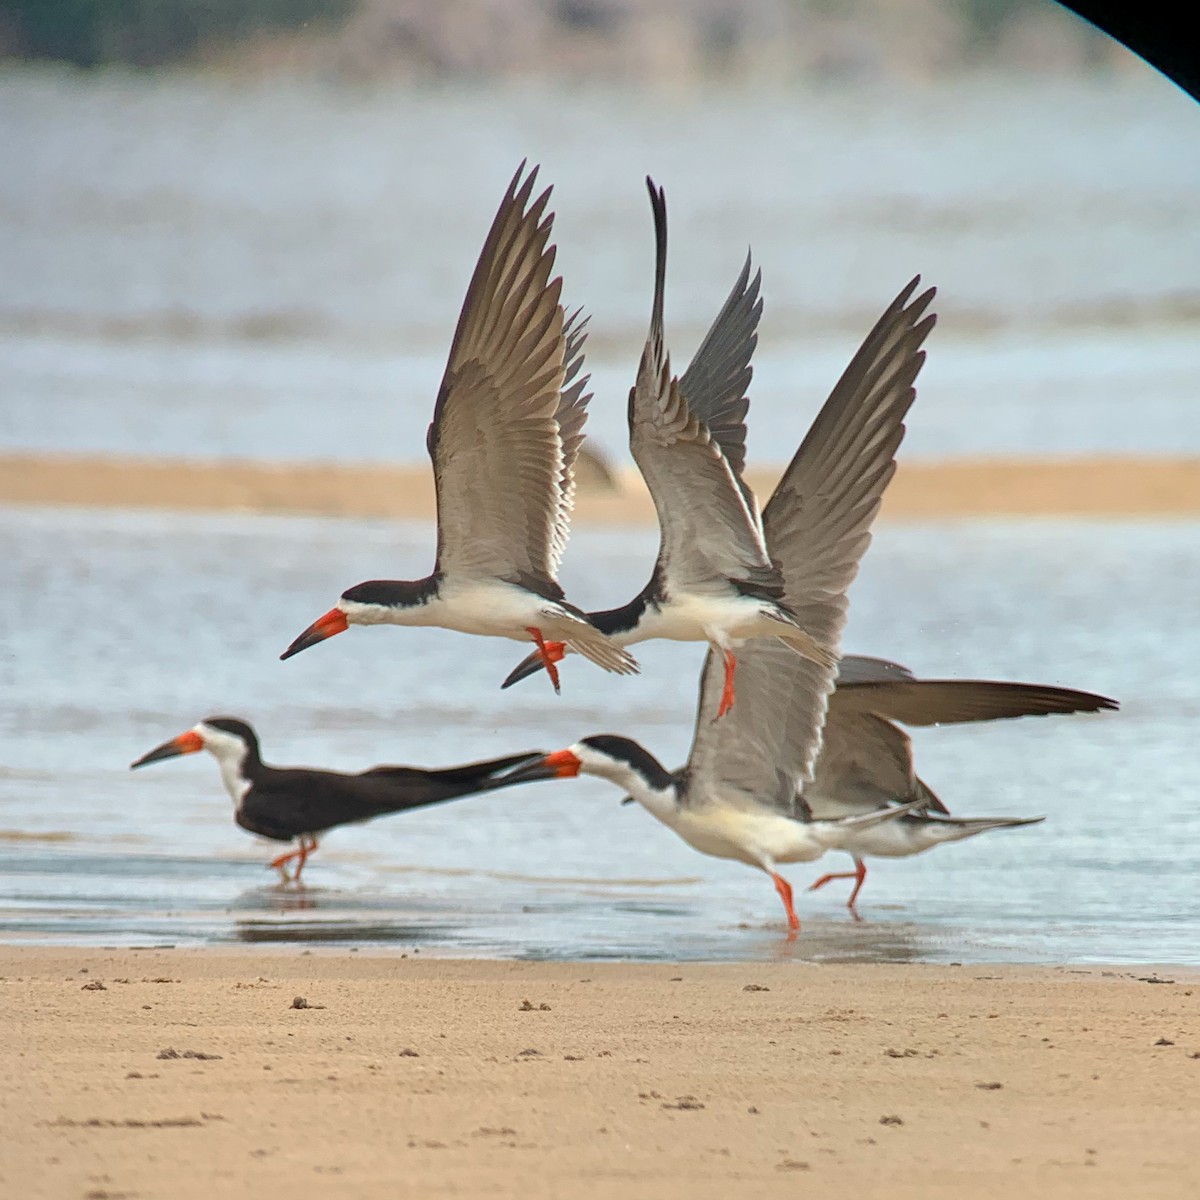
817,526
956,701
718,377
711,531
500,466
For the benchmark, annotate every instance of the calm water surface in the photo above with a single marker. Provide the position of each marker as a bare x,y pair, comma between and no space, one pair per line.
204,267
120,630
200,267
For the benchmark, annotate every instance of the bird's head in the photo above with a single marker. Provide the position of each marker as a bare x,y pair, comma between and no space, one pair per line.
226,738
376,602
618,759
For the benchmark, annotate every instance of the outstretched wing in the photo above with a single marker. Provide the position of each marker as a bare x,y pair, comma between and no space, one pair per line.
866,760
718,377
817,527
497,434
749,757
859,668
957,701
571,416
710,529
865,763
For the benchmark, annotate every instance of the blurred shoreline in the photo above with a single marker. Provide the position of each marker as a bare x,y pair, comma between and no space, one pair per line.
1094,486
669,44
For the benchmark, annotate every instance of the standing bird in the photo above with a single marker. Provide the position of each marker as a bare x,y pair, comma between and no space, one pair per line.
714,580
866,759
289,803
738,796
506,429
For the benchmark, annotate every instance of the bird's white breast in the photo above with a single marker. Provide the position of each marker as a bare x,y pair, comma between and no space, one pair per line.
701,617
751,836
490,608
235,784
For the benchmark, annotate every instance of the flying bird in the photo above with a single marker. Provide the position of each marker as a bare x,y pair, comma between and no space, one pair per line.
289,804
866,759
714,580
740,794
506,429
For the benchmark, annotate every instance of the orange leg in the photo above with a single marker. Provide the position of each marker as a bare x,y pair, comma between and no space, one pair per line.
550,653
812,887
785,894
307,847
727,693
280,865
859,875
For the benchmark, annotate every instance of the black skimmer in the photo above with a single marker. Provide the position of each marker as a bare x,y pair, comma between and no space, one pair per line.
290,803
866,759
506,429
717,577
722,804
740,794
713,389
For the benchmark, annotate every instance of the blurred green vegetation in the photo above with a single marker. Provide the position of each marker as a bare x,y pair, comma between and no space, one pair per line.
985,20
147,32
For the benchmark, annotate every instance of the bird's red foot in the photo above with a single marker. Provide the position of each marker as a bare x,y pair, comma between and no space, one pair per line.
280,864
306,847
812,887
785,894
727,692
859,875
550,653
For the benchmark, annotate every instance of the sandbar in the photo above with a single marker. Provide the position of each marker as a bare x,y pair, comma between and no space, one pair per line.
180,1074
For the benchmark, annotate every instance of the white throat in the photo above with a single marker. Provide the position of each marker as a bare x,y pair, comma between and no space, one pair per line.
230,753
373,614
659,802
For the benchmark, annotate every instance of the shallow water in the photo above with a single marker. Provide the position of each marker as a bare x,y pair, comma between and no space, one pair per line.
121,630
200,267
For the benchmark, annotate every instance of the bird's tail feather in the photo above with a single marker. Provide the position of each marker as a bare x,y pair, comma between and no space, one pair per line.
584,638
955,829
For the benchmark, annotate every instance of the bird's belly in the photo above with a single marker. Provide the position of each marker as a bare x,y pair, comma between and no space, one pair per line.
490,609
750,837
892,839
693,617
263,829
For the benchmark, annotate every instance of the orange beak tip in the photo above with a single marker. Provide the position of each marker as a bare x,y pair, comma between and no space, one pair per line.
334,621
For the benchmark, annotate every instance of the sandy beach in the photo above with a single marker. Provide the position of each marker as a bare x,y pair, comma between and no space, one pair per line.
1085,487
172,1073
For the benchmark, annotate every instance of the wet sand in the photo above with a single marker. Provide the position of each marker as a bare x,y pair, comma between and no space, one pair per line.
1095,487
162,1073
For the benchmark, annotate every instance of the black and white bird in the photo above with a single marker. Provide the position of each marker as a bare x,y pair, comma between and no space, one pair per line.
740,794
866,759
506,429
288,804
714,580
720,807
